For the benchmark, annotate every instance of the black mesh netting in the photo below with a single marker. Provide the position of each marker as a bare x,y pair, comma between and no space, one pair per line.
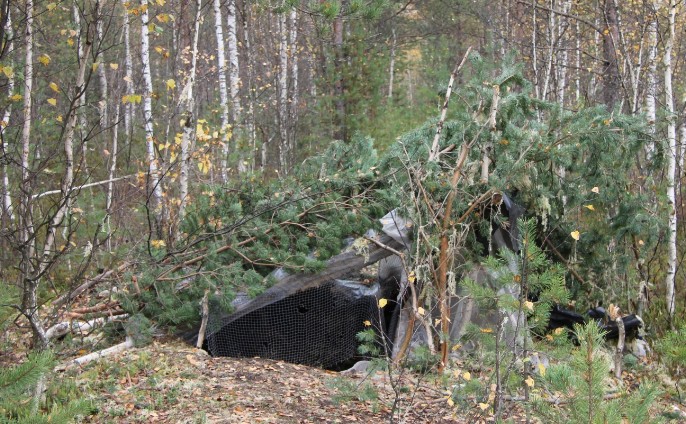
314,326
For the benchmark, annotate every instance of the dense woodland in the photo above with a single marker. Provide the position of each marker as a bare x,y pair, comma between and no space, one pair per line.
160,143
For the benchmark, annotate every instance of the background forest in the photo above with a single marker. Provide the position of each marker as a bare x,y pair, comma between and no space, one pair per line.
143,138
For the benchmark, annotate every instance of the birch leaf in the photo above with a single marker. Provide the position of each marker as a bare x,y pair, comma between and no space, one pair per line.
382,303
114,66
44,59
589,207
367,323
8,71
16,97
54,87
421,311
575,234
596,190
171,84
529,381
483,406
53,102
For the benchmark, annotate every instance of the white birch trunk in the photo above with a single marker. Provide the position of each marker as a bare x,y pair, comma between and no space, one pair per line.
6,197
563,60
651,77
293,102
577,74
671,167
187,100
28,249
102,71
283,94
223,98
234,83
113,169
128,75
250,121
147,114
391,70
534,53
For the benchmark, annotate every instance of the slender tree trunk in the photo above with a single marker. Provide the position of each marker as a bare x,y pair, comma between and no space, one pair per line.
671,167
283,94
338,91
611,77
223,97
293,101
188,102
534,52
155,183
235,84
651,77
391,67
250,69
6,197
128,78
113,170
102,70
28,248
563,59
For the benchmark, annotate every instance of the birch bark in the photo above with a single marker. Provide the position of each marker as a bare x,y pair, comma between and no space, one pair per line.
283,94
671,167
6,197
223,98
234,83
155,184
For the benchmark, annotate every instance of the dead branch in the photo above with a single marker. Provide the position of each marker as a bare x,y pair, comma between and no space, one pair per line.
48,193
434,154
619,352
121,347
205,317
61,329
68,297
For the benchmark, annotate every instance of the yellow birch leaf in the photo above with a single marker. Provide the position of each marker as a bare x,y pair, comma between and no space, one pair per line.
161,2
44,59
51,6
421,311
589,207
54,87
529,381
171,84
411,278
466,375
596,190
529,305
487,330
163,17
367,323
16,97
575,234
53,102
59,118
541,369
114,66
70,41
8,71
483,406
437,321
95,65
382,303
451,402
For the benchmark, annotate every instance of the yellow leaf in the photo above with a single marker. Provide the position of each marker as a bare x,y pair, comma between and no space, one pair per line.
114,66
8,71
59,118
596,190
161,2
171,84
589,207
51,6
575,234
411,278
382,303
367,323
541,369
54,87
437,321
70,41
486,330
451,402
558,331
159,49
52,102
16,97
163,17
529,381
421,311
157,243
483,406
466,375
44,59
529,305
95,65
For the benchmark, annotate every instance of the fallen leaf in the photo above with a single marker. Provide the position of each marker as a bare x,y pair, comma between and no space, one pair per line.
575,234
382,303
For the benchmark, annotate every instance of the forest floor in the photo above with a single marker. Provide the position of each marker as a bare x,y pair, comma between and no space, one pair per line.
171,382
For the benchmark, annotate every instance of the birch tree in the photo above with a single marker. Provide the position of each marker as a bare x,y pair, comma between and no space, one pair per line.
651,77
223,98
282,84
671,167
293,101
128,74
234,82
155,183
6,197
188,104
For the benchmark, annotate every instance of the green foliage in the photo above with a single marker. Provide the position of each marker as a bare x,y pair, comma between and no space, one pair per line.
16,390
672,350
580,385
